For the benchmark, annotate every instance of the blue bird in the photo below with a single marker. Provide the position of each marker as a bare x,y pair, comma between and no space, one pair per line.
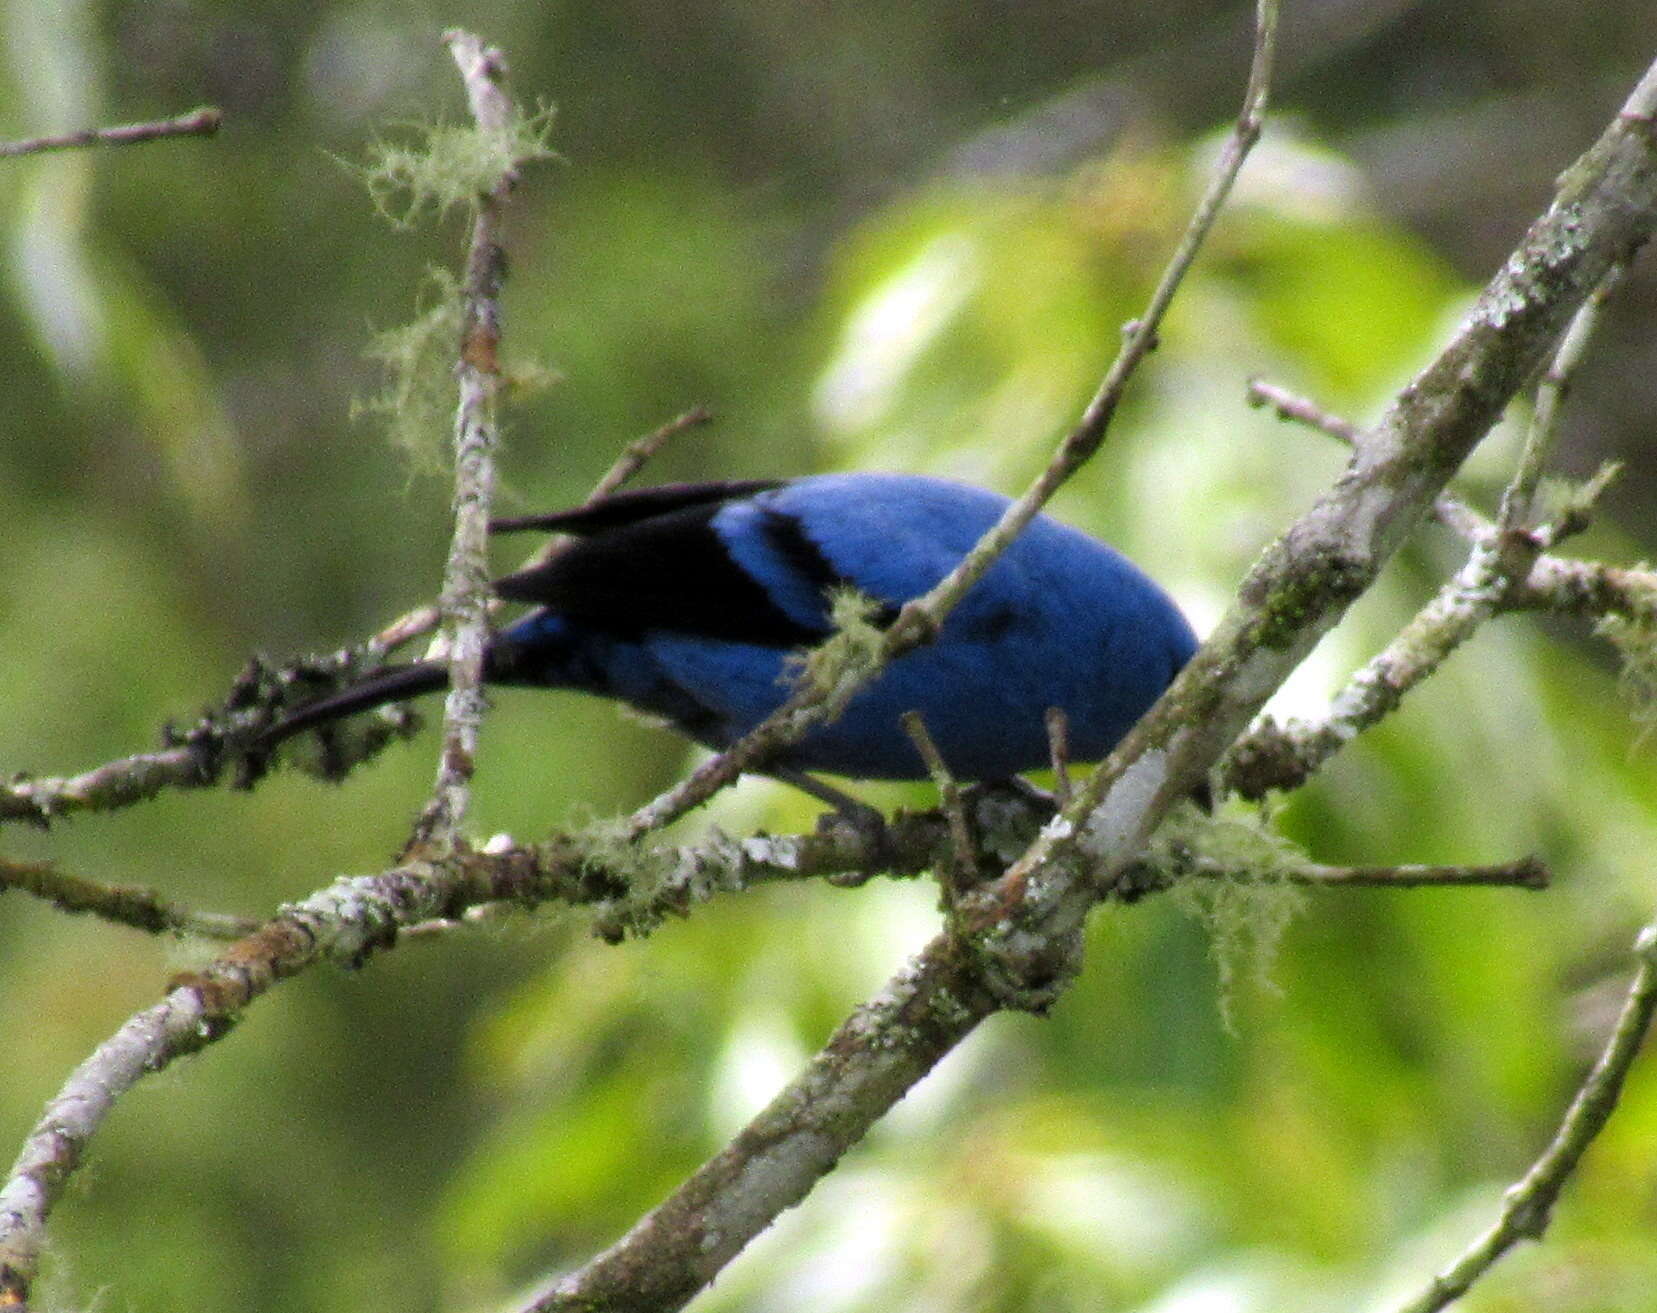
688,601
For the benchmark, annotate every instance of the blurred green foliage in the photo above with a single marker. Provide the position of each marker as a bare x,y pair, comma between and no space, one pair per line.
776,214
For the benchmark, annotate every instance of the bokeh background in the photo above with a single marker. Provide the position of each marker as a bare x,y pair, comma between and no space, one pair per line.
870,236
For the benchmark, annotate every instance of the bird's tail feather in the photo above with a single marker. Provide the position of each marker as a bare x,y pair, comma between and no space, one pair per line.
392,685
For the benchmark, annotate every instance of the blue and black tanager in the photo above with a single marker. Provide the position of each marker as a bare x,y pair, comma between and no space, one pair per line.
688,601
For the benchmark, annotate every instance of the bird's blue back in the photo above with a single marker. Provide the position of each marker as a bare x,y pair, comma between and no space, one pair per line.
1060,619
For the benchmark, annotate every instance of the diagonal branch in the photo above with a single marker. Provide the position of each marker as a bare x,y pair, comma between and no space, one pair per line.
1604,210
920,619
1529,1203
1026,927
1504,556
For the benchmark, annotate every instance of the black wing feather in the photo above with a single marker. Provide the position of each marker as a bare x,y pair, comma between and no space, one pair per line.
665,570
630,507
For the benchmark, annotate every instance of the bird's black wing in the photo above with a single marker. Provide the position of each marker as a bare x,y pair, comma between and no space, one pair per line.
630,507
651,560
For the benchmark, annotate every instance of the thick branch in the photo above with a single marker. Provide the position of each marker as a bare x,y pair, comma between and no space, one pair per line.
869,1063
1606,208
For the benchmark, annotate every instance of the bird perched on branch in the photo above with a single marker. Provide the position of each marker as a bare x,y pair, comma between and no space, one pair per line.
689,602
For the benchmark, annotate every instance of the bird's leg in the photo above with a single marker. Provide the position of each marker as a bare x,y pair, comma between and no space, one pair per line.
1058,749
869,824
961,872
857,813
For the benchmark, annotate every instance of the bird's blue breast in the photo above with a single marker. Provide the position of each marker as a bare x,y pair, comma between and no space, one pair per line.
1059,620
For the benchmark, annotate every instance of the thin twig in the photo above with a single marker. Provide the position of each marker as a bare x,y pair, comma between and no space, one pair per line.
1526,873
203,122
125,904
1529,1202
1449,509
634,456
920,618
637,453
1518,499
423,619
1302,410
1503,555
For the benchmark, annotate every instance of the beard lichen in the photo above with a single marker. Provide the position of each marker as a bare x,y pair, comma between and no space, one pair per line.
1235,876
1635,638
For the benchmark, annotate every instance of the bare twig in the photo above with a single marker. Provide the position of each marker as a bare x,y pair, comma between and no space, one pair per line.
124,904
1448,508
637,453
962,869
203,122
1302,410
1519,498
1529,1203
634,456
423,619
1526,873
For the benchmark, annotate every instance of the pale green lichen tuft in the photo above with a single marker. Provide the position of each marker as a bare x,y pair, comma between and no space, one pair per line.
417,402
633,876
448,166
1570,503
1635,638
836,668
1233,875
